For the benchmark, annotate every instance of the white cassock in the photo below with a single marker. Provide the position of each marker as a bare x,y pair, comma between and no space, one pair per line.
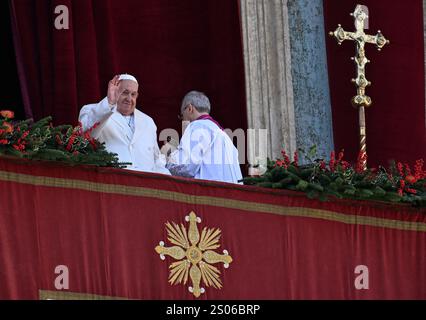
134,139
205,152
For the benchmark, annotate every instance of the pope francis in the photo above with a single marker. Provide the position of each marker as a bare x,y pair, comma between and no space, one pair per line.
125,130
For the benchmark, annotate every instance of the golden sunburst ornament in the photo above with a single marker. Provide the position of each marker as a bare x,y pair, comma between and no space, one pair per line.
195,254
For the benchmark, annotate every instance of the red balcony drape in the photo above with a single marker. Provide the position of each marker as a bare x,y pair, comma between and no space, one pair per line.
104,225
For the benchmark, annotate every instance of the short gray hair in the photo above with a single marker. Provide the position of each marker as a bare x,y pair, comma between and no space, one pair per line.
198,99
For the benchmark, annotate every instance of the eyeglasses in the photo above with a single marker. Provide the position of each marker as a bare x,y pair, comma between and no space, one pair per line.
180,116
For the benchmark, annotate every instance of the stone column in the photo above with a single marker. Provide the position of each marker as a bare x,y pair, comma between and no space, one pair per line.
286,74
269,89
312,106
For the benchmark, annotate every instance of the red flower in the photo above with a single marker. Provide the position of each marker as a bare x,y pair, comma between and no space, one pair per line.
281,163
362,157
410,179
4,141
402,186
19,147
9,127
286,159
411,190
70,142
323,165
418,170
25,134
332,161
296,159
7,114
345,165
20,141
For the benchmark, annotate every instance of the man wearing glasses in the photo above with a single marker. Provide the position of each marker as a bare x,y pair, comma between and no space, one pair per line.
205,150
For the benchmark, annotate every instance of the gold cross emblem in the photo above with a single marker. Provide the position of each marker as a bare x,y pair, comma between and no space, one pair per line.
195,254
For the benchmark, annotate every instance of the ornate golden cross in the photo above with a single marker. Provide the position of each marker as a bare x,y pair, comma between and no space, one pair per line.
360,101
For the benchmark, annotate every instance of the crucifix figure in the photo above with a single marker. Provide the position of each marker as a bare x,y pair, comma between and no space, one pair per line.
360,101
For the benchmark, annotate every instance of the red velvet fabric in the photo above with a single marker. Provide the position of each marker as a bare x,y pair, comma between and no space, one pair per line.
171,47
53,215
396,121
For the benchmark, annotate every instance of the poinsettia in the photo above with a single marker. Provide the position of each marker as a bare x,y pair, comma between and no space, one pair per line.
41,140
7,114
338,178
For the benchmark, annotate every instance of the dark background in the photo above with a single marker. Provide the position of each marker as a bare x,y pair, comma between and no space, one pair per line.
171,47
10,93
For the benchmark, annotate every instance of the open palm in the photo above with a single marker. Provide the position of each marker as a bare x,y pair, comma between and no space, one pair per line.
113,93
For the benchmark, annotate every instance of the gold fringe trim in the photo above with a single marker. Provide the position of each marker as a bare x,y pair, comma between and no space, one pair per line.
212,201
67,295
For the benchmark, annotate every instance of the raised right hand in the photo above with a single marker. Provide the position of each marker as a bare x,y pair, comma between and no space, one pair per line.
113,93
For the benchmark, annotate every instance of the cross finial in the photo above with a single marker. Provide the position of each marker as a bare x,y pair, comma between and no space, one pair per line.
360,15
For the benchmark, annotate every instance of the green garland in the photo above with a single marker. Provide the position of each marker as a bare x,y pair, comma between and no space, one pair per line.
42,141
339,179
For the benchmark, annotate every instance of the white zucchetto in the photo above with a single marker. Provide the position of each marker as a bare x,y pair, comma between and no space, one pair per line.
126,76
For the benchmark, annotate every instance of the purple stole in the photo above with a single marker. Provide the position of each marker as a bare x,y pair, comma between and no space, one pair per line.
208,117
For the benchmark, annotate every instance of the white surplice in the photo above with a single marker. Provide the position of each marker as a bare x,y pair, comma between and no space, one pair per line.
134,142
205,152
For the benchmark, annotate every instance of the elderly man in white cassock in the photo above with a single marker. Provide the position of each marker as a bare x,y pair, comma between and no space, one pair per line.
125,130
205,150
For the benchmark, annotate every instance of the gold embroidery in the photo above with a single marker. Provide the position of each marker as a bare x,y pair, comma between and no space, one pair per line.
195,253
67,295
213,201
